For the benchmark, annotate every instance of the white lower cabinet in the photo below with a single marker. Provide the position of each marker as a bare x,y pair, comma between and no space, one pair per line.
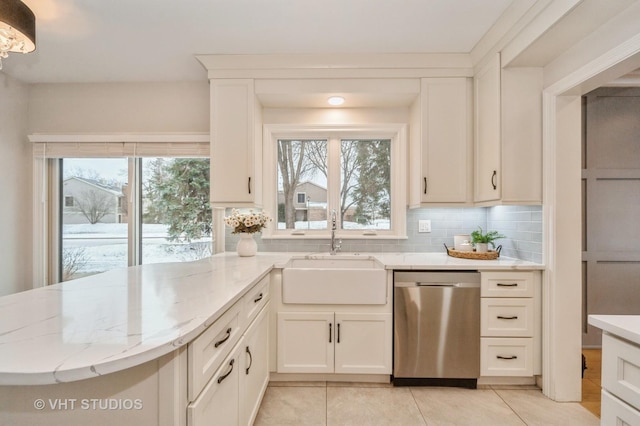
620,381
233,395
334,342
254,367
228,364
510,323
614,411
219,401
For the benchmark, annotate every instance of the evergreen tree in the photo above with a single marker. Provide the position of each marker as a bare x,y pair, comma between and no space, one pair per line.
178,194
372,194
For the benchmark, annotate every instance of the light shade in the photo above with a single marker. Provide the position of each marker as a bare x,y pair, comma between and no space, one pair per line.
17,28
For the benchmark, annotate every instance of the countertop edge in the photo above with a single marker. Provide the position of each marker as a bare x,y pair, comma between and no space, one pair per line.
624,326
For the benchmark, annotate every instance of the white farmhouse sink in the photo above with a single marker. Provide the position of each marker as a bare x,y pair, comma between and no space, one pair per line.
334,280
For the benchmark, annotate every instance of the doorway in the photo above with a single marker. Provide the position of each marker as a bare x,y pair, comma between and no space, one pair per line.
610,205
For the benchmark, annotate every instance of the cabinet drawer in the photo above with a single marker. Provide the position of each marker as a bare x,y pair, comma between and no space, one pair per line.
218,403
506,317
255,300
206,352
506,356
616,412
507,284
621,369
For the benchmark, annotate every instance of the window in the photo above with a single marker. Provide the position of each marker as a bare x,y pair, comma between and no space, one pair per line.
169,220
68,201
357,173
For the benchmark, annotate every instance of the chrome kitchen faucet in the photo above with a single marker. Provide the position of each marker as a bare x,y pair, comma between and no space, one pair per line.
334,247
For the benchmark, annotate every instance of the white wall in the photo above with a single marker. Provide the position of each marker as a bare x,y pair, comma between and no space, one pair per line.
15,184
119,108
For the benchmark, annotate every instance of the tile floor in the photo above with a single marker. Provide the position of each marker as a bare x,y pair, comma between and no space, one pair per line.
381,404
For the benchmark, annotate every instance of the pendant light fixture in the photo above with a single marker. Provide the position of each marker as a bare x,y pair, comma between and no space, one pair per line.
17,28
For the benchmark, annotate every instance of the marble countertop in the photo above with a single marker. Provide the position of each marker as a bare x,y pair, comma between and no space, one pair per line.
625,326
122,318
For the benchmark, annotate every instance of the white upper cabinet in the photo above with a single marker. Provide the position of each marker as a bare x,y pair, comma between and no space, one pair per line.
521,135
488,175
508,135
441,142
236,144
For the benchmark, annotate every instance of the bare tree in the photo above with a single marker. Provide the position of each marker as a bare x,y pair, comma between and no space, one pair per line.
95,205
294,165
73,260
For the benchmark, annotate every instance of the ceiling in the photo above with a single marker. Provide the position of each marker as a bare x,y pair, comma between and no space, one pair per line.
156,40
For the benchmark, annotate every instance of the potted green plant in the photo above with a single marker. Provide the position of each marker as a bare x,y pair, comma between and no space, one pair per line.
481,240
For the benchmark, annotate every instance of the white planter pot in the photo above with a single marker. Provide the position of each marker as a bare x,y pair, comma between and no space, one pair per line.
482,247
247,246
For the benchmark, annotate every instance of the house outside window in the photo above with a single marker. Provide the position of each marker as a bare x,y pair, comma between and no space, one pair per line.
68,201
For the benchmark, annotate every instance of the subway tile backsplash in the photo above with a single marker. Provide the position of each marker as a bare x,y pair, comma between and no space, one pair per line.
521,224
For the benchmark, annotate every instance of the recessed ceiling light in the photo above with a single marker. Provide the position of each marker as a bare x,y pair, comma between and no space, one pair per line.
335,100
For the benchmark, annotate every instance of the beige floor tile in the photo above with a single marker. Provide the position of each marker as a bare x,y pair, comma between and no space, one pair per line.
468,407
295,405
358,385
537,410
372,406
314,384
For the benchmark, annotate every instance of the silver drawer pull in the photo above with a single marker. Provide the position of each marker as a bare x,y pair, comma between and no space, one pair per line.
221,378
219,342
506,357
507,318
507,285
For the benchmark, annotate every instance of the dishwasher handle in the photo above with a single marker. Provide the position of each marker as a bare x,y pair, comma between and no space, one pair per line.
437,284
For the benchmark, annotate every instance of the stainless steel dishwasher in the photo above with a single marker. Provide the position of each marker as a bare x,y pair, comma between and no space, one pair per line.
436,328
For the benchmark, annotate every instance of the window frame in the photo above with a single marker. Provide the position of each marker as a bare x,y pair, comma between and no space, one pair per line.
304,197
397,133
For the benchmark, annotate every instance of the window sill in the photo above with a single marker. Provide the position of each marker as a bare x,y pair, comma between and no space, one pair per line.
315,236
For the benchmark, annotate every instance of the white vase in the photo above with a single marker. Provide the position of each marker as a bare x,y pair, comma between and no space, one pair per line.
482,247
247,246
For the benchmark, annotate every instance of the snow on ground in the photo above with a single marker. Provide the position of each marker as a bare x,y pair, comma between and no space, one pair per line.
105,246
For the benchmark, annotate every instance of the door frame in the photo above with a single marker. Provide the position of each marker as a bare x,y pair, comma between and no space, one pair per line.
562,281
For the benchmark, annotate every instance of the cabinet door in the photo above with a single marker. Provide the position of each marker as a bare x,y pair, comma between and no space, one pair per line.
235,144
363,343
305,342
487,132
218,402
521,103
446,141
254,367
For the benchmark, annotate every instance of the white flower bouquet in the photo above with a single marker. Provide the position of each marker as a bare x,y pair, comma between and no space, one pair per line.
246,223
